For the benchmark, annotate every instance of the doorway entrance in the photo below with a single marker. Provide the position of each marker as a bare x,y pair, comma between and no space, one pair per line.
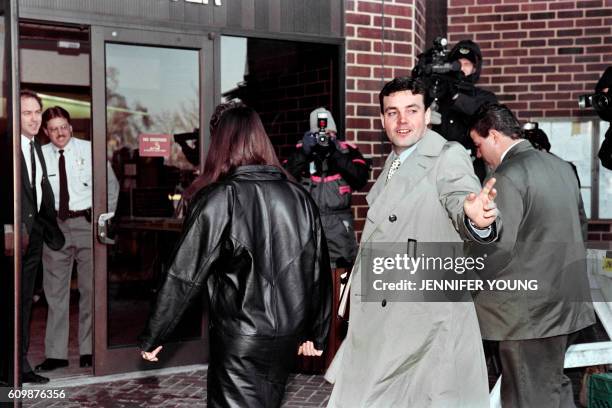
147,87
128,92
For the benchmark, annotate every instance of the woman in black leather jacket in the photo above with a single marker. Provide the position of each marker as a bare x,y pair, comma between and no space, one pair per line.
253,238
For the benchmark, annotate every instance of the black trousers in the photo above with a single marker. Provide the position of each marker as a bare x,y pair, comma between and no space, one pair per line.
248,371
532,373
29,268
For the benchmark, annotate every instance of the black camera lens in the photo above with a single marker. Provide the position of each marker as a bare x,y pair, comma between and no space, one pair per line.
323,140
599,101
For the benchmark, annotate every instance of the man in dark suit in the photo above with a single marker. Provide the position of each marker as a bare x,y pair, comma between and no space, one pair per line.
542,241
38,215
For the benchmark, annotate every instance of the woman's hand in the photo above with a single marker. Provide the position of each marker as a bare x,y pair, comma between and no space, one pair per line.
307,348
151,355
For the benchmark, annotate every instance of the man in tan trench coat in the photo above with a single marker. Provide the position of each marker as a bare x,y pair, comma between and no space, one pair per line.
416,354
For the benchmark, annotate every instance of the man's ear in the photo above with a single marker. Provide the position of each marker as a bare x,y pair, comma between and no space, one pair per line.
382,120
45,130
427,116
496,135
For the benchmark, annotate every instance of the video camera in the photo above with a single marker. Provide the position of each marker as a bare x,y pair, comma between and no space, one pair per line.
535,135
600,102
434,67
321,135
435,60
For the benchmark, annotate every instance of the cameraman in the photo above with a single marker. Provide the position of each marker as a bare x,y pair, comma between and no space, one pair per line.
463,98
605,86
330,169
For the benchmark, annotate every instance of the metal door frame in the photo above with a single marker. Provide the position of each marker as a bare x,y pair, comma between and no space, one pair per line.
116,360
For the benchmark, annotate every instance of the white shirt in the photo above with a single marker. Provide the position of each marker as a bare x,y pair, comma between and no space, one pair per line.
25,150
77,155
508,149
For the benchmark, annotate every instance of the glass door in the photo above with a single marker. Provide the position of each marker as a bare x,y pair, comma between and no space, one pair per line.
150,94
10,194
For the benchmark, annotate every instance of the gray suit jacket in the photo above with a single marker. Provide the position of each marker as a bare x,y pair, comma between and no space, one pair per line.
539,198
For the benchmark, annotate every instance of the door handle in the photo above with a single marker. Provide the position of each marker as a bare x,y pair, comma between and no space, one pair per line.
103,221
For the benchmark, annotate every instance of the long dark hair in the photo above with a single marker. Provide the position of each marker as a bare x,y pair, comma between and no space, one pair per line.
238,140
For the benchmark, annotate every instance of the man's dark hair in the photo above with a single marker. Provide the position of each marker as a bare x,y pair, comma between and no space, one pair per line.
26,93
399,84
55,112
498,117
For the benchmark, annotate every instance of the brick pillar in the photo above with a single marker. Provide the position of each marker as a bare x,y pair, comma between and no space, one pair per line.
383,38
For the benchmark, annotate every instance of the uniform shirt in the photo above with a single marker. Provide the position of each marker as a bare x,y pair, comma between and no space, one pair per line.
25,150
77,155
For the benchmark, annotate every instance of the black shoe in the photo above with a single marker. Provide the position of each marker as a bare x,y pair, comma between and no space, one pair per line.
85,360
31,377
51,364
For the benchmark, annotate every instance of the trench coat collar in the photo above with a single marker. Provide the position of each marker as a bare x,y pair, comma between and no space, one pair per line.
385,197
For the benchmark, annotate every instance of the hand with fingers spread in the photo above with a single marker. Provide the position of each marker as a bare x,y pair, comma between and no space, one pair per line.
151,355
481,208
308,349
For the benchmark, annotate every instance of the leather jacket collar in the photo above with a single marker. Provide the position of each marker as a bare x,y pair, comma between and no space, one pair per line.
257,172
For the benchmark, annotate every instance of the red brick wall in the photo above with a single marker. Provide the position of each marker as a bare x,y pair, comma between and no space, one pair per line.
538,55
600,231
381,43
287,80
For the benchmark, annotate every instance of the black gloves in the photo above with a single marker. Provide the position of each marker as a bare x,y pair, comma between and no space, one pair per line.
309,142
311,145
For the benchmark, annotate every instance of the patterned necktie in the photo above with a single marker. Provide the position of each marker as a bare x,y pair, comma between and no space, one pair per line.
394,166
64,197
33,168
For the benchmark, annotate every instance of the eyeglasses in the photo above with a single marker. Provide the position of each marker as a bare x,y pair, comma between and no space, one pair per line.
63,128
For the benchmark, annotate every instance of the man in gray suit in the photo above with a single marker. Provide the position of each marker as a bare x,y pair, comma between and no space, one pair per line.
542,240
416,354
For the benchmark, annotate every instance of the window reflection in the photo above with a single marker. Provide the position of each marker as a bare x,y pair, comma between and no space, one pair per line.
152,94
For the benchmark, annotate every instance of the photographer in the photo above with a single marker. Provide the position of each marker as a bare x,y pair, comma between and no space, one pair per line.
455,91
604,110
464,97
330,169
